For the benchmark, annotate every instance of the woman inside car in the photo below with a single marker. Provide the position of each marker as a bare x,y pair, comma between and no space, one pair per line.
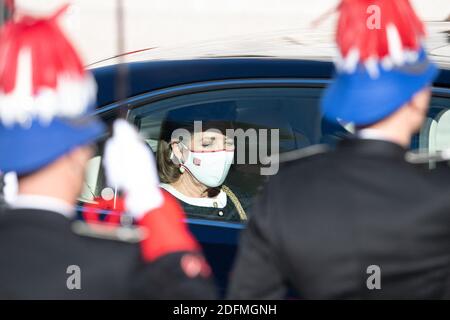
194,157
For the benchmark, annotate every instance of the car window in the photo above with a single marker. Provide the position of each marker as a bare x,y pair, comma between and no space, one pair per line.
434,135
294,112
94,180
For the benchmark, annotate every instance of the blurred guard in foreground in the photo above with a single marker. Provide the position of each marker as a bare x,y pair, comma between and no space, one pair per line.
46,137
358,221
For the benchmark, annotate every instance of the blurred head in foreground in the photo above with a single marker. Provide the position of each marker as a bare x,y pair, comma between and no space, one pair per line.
45,100
383,74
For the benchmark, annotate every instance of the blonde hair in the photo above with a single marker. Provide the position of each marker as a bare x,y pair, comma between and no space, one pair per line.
168,171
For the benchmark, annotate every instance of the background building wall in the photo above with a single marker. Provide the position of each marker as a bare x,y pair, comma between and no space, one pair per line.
240,26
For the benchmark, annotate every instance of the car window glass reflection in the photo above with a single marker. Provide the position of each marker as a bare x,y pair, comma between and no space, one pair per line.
294,112
434,136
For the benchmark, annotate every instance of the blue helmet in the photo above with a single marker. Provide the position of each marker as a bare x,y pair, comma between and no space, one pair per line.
383,64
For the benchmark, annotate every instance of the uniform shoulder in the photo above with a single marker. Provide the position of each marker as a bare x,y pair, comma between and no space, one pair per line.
103,231
439,174
434,166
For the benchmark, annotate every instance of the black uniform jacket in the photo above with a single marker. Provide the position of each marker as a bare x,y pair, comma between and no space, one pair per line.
40,256
328,226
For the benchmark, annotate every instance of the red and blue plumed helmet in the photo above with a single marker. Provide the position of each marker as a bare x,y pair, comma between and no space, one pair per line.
46,95
382,62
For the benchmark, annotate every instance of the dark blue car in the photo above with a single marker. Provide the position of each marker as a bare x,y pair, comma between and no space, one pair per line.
269,93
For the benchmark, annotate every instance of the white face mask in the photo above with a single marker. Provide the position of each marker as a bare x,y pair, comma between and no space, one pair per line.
210,168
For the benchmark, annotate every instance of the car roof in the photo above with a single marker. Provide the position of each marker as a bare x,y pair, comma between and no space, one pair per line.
158,74
154,75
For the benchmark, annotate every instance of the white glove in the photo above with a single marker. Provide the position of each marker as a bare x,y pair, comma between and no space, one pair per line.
130,167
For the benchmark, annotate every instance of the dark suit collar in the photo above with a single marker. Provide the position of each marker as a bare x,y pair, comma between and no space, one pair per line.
372,147
44,203
36,216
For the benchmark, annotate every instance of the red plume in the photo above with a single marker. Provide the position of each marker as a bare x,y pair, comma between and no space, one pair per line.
10,4
41,74
353,31
51,52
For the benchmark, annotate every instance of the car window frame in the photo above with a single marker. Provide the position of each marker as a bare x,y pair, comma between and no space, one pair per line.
146,98
436,92
153,96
